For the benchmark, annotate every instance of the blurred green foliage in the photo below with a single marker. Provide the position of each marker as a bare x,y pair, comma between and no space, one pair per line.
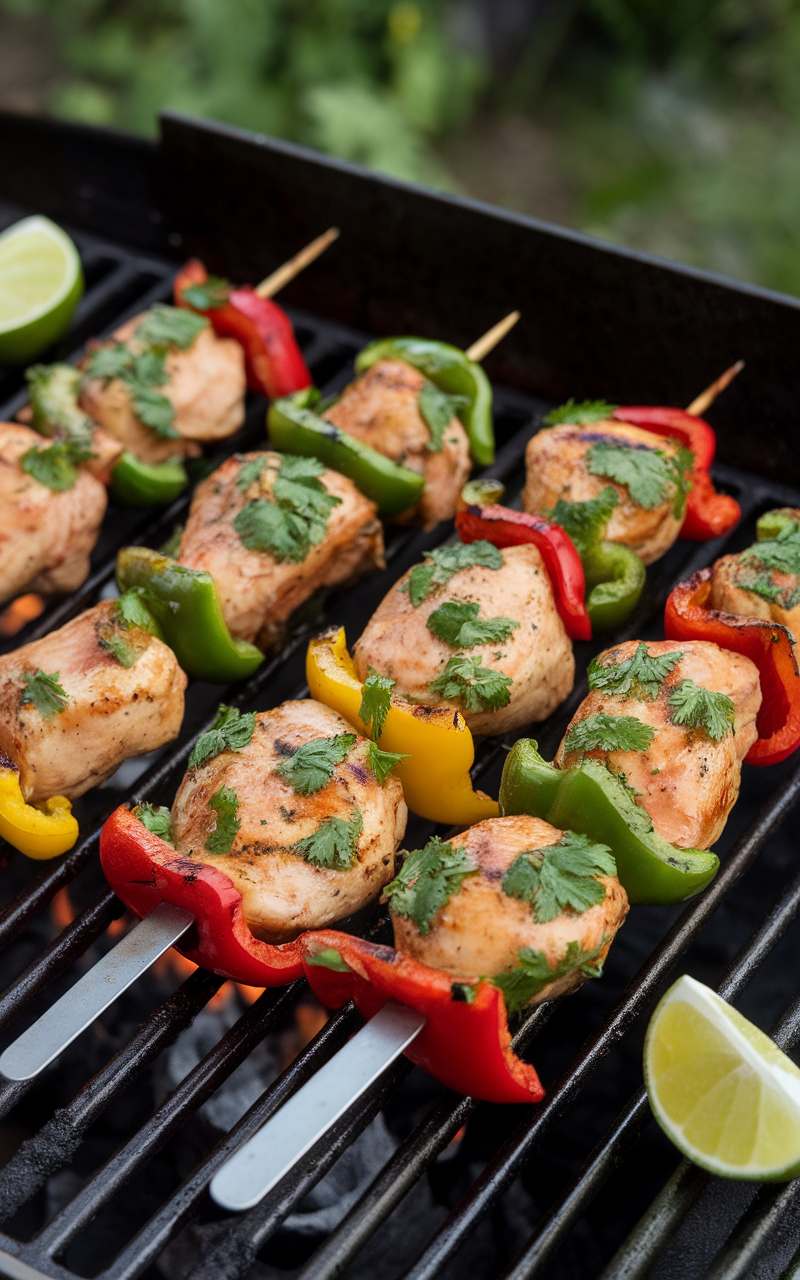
370,80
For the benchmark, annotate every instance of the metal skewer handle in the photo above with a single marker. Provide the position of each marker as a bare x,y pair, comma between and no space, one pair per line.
78,1008
271,1153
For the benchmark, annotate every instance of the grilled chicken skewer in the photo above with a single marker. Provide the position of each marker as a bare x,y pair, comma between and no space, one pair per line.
763,581
290,809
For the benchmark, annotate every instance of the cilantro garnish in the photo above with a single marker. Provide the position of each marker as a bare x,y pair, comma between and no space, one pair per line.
640,676
561,877
57,465
295,518
780,554
310,767
130,611
251,471
54,391
601,732
585,522
579,415
427,881
376,698
329,959
114,361
212,293
477,688
44,692
133,612
157,818
334,844
164,326
438,410
110,636
456,623
226,806
700,708
230,732
154,410
382,762
534,973
646,473
444,562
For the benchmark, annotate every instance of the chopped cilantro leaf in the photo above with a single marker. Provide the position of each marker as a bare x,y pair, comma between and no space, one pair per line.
645,472
456,623
780,554
251,471
585,522
157,818
44,692
57,465
295,518
376,698
264,526
477,688
580,414
310,767
150,368
438,410
382,762
164,326
226,806
640,676
154,410
111,636
561,877
212,293
700,708
443,562
230,732
133,612
114,361
427,881
329,959
601,732
534,973
334,844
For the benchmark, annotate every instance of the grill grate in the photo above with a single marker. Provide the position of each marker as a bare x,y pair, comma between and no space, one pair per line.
119,284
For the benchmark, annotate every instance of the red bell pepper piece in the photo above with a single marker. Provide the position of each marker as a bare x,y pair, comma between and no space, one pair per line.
274,362
506,528
465,1046
708,513
769,645
143,870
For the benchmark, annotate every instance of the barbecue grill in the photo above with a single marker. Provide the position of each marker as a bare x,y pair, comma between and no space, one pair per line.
107,1161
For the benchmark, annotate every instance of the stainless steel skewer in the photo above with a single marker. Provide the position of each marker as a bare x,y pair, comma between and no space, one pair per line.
270,1154
78,1008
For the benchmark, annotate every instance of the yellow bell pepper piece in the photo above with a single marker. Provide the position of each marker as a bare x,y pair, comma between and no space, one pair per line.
436,740
39,831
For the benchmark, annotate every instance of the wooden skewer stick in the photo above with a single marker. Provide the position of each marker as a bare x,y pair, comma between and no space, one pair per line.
491,338
698,407
269,287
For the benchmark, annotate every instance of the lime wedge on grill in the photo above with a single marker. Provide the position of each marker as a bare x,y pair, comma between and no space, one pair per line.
41,283
720,1089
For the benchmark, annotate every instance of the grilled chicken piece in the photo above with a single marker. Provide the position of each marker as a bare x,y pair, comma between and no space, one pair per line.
113,712
282,893
556,468
687,782
481,929
381,408
47,535
206,386
733,579
537,655
257,593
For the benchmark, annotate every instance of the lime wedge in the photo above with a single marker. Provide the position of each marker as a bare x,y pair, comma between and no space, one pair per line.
41,283
721,1090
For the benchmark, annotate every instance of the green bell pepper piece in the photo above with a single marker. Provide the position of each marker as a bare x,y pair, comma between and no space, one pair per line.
615,578
54,391
590,800
294,428
451,370
185,603
145,484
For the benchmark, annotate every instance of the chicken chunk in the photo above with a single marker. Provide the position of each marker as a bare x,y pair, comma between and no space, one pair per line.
536,654
286,889
382,408
258,592
111,713
206,385
47,535
557,468
481,929
687,782
744,585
